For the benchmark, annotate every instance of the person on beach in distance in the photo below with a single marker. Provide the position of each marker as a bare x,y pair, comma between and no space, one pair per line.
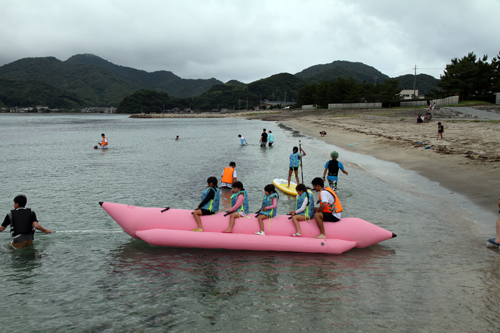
495,242
440,131
263,138
270,138
23,223
332,167
322,133
330,207
239,201
209,204
242,140
269,207
294,163
304,208
229,176
420,119
104,143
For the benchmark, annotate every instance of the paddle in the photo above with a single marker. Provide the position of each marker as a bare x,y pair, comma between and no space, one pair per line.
301,164
164,210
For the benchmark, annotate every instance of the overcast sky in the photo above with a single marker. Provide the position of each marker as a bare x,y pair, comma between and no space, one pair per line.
248,40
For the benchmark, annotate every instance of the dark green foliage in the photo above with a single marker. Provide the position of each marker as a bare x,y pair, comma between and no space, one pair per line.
160,80
341,69
150,101
277,85
425,83
349,91
471,78
30,93
226,96
98,81
234,95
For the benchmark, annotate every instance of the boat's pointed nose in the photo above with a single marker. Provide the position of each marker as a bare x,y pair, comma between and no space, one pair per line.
100,203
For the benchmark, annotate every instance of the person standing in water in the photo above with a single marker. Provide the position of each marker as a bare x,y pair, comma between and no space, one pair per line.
332,167
295,163
270,138
105,141
23,223
229,176
242,140
263,138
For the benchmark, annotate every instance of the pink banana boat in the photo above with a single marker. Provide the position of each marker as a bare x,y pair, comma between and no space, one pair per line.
172,227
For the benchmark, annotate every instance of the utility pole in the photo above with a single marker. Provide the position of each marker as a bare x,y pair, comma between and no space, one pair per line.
415,83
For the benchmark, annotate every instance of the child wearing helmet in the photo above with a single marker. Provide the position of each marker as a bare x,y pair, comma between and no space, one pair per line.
332,167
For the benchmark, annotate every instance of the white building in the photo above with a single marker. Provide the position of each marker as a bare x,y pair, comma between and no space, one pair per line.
408,93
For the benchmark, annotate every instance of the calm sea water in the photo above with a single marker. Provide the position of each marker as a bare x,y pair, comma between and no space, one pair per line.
437,275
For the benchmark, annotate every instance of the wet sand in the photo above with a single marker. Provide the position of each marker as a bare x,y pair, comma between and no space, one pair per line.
466,161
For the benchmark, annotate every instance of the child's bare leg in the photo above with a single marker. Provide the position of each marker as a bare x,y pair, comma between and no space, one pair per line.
196,215
297,176
261,221
296,223
231,221
289,177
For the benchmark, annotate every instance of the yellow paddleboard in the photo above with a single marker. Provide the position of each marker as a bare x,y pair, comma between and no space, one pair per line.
282,185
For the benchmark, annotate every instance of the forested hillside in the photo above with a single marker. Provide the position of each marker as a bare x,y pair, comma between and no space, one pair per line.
344,69
424,83
30,93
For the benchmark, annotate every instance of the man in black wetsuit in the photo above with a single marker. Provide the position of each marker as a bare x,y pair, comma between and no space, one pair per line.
263,139
23,223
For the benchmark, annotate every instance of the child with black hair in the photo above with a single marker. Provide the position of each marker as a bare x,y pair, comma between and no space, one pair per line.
23,223
209,204
239,202
229,175
269,207
304,208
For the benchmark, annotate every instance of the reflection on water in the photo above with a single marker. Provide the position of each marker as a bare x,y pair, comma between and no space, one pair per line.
435,276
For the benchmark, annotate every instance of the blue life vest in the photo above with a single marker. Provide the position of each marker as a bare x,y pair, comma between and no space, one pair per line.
268,201
309,211
244,207
294,160
212,205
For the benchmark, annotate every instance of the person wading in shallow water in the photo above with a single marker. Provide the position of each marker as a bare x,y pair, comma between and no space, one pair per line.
22,223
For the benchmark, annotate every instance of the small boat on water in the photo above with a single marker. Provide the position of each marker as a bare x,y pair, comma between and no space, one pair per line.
172,227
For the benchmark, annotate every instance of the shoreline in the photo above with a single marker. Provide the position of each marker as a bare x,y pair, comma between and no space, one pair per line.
454,163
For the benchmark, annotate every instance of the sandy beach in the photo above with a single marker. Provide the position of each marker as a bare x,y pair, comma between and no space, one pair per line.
466,161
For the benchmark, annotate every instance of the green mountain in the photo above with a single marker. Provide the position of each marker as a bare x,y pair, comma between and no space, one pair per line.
29,93
95,84
344,69
99,82
88,80
234,95
424,84
149,101
160,80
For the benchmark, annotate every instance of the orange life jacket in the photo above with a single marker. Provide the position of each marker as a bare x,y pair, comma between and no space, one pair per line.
337,207
105,141
227,176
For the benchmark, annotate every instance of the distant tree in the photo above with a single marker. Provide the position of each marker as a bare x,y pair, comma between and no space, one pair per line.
470,77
